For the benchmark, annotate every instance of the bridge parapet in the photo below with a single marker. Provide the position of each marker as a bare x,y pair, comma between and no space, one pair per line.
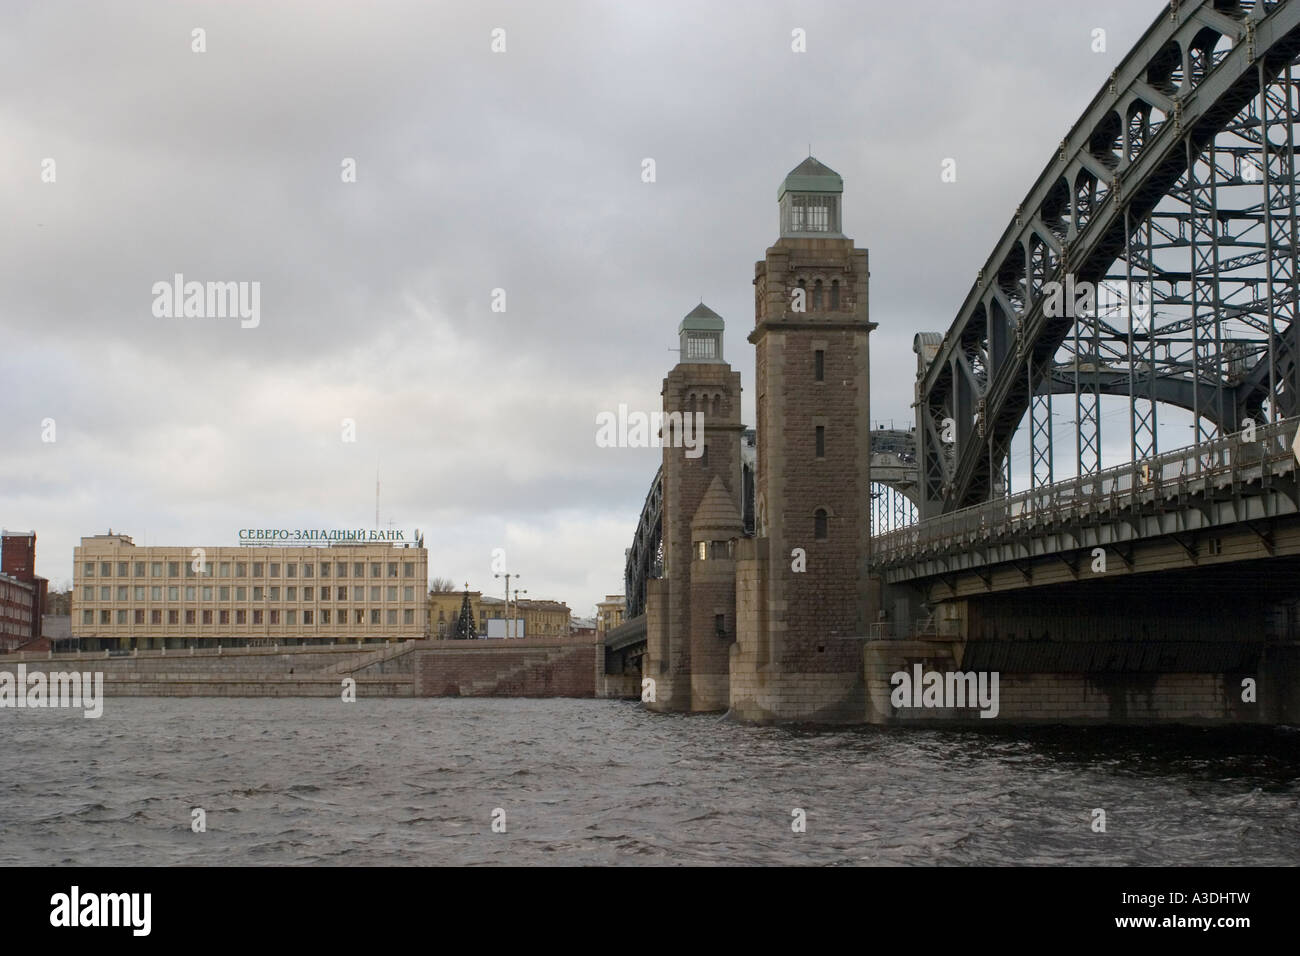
1205,469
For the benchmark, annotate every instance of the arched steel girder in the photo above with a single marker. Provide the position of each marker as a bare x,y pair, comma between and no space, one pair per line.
1167,391
1137,182
644,559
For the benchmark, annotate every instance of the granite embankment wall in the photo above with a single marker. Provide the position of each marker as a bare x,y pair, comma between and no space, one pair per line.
486,668
380,670
534,667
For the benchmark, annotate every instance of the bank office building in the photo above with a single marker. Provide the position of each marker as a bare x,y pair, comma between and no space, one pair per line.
149,598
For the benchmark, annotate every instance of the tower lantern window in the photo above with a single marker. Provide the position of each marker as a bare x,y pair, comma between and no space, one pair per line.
812,212
702,345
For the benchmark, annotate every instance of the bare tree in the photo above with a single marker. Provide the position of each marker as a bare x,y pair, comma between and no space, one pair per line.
437,585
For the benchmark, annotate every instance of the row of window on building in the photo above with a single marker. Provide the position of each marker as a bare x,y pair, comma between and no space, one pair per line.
15,610
240,569
288,617
223,592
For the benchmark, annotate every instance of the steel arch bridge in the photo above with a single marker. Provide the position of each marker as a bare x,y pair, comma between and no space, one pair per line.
1173,199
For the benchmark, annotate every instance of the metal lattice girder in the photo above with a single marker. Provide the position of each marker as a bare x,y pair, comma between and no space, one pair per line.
1277,106
891,509
1179,183
644,559
1040,435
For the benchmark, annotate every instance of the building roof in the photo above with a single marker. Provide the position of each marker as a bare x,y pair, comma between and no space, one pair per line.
717,512
541,605
811,176
10,579
701,319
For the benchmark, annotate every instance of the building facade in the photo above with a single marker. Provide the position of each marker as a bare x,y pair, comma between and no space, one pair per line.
540,618
444,612
610,613
126,596
23,594
544,618
18,602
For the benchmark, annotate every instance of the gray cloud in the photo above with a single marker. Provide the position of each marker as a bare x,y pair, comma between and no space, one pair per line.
476,171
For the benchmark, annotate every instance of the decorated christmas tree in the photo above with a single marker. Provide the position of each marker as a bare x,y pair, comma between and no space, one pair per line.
465,623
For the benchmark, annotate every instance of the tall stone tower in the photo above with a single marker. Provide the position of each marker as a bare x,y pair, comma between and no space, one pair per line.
802,580
690,610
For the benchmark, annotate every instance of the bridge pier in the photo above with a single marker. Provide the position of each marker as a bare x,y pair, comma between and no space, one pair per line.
781,673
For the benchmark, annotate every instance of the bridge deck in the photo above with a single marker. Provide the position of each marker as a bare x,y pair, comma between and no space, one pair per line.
1184,481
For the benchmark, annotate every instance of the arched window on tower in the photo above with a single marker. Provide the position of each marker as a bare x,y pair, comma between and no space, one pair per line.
817,296
819,524
835,295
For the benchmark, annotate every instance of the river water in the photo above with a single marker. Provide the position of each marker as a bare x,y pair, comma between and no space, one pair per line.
604,782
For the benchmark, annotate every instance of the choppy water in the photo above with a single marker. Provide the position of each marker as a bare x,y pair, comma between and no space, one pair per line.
417,781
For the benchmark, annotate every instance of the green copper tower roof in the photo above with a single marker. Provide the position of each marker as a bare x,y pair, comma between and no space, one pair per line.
810,176
701,319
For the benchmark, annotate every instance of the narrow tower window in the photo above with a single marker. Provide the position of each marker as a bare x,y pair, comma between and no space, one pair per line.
821,441
819,524
819,365
817,295
835,295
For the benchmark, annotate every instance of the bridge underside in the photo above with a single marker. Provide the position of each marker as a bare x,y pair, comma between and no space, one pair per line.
625,646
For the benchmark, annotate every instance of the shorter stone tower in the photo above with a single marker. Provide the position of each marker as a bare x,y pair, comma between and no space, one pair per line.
701,438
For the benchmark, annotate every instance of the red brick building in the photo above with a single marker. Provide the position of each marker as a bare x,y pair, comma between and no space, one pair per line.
23,595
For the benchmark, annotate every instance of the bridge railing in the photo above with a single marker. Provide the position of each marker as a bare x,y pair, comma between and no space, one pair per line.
1180,472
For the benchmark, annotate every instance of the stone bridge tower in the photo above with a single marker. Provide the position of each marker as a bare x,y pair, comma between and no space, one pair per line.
802,580
690,610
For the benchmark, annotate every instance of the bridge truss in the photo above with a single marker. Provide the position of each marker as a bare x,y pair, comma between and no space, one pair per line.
1173,199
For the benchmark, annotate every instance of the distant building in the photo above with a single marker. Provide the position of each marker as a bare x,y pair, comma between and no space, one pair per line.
151,597
23,595
444,611
537,618
544,618
610,613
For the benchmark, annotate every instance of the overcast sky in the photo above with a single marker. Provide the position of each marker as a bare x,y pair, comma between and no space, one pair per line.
476,171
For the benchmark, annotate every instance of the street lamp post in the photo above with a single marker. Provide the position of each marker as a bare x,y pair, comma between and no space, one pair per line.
509,627
512,619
